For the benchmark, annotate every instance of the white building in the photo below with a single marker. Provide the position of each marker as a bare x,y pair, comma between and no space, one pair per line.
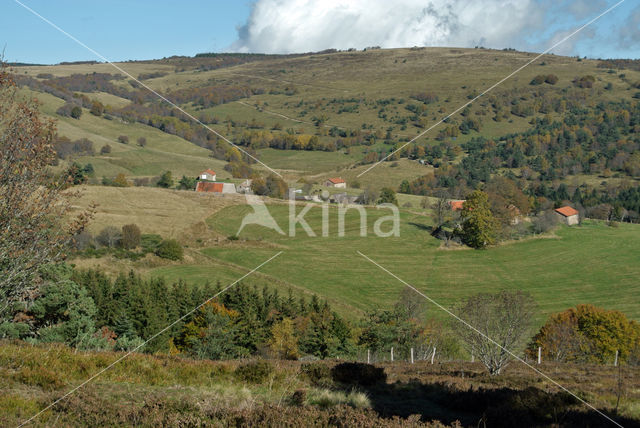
208,175
336,182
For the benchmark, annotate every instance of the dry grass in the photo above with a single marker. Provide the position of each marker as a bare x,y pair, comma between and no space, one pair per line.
170,213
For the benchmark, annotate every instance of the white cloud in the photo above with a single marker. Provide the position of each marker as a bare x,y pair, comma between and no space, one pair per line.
287,26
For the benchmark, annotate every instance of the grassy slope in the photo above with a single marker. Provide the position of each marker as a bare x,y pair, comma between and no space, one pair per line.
591,263
587,264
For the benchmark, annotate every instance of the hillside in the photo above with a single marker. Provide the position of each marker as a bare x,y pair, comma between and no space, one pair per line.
592,263
315,116
365,101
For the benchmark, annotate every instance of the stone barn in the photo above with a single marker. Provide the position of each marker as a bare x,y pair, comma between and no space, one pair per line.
568,215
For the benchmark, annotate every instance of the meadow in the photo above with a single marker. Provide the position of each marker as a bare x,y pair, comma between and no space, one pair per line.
591,263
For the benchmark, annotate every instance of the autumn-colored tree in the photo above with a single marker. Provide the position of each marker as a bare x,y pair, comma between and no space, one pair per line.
284,343
130,236
121,181
587,333
33,207
478,223
97,108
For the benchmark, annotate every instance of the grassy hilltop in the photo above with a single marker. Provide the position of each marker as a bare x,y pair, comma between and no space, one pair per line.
392,95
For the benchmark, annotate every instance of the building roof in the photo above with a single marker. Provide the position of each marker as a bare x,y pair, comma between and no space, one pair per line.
208,171
337,180
456,205
204,186
567,211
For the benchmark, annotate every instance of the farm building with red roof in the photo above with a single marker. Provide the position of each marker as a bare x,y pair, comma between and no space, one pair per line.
568,215
456,205
336,182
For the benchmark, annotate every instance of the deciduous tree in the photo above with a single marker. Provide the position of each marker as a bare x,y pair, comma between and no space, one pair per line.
497,319
33,206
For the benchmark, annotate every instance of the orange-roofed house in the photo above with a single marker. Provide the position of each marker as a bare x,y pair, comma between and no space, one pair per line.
208,174
336,182
568,215
456,205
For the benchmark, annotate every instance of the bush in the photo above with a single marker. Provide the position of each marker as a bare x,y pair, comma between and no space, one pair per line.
326,399
358,374
76,112
170,249
106,149
42,377
130,236
110,237
254,372
319,374
150,242
538,80
97,108
128,343
166,180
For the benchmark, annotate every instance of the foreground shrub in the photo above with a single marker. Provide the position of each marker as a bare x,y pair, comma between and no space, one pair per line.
325,399
41,376
254,372
319,374
358,374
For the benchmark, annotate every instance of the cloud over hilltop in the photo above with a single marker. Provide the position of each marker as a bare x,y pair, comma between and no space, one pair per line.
293,26
286,26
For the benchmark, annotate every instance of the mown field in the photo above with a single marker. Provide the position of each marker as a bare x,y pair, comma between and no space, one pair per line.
592,263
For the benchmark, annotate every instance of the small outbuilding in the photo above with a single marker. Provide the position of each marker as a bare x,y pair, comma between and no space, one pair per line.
568,215
336,182
208,175
245,186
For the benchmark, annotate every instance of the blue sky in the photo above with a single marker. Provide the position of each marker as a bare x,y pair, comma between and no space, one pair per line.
144,29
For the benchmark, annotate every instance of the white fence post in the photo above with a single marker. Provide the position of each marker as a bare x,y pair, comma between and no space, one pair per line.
539,354
368,356
615,362
392,354
411,355
433,355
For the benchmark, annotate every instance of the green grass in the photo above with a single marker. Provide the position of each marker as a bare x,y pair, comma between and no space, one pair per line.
592,263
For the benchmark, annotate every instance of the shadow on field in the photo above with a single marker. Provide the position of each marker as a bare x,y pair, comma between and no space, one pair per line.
477,407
